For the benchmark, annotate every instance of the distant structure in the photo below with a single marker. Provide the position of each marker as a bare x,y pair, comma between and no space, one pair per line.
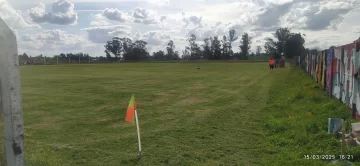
198,67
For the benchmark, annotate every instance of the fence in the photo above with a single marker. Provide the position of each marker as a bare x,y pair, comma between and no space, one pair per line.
51,61
337,69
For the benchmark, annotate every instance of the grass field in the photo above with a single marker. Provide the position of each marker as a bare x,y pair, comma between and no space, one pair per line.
223,114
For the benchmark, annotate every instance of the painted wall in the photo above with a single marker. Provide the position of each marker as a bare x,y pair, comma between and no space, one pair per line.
307,63
349,62
353,86
356,98
318,63
323,68
344,79
336,76
329,70
338,70
316,68
311,64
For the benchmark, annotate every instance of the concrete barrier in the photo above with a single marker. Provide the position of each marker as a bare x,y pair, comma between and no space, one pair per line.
10,97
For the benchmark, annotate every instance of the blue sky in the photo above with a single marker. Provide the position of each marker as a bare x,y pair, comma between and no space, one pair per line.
85,25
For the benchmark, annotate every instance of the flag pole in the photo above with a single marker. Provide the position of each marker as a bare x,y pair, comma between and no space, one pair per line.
138,133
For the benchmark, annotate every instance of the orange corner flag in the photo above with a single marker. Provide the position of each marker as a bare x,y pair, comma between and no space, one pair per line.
131,110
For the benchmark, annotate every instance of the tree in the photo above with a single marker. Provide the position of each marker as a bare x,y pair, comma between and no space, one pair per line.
215,48
232,38
282,35
294,45
138,51
62,56
245,44
225,49
113,47
170,50
127,45
192,44
160,55
195,51
176,55
314,50
207,49
258,50
271,47
186,53
24,57
287,43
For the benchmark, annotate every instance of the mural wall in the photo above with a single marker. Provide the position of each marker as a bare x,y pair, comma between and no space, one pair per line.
337,70
329,70
323,68
336,76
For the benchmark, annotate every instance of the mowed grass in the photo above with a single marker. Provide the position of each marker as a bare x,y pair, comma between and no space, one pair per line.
74,114
296,123
222,114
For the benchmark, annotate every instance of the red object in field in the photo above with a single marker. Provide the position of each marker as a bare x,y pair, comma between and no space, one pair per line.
272,62
130,112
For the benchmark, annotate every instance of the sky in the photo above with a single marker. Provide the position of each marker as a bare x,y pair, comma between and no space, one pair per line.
51,27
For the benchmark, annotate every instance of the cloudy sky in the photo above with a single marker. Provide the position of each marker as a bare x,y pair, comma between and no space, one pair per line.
49,27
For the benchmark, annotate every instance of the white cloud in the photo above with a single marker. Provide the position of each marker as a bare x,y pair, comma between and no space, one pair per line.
356,29
194,20
101,34
325,22
162,3
14,18
162,18
154,37
115,14
54,41
62,13
144,16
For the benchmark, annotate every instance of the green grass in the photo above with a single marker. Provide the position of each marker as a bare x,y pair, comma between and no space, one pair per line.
222,114
296,122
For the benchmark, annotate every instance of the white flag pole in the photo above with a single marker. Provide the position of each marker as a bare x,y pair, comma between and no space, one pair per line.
138,133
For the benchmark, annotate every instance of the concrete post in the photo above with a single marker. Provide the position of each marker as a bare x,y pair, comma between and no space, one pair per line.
10,100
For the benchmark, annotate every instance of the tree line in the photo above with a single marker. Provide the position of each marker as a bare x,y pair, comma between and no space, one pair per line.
212,48
60,57
284,43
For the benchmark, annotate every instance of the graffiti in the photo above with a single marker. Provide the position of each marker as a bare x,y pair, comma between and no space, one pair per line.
338,70
329,71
